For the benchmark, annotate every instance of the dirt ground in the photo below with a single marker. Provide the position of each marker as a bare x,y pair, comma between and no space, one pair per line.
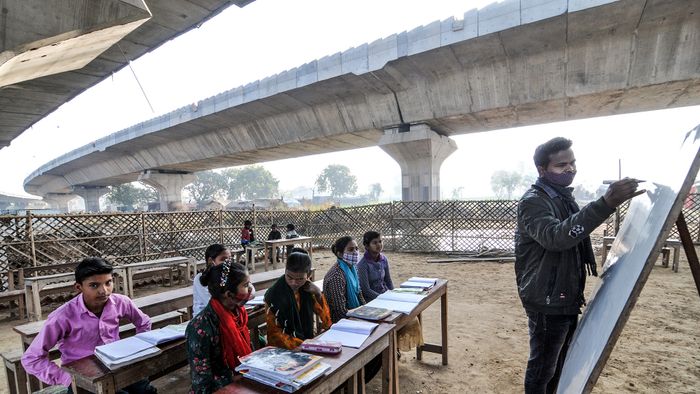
658,351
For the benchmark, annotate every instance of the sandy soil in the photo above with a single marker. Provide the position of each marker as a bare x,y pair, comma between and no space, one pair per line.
658,351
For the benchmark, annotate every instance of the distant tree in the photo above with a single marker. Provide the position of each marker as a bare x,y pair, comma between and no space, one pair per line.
129,195
457,193
504,183
375,190
251,182
206,186
337,180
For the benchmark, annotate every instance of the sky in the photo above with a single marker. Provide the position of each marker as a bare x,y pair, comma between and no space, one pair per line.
242,45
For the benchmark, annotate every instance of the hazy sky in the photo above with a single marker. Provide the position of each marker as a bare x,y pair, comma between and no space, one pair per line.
266,37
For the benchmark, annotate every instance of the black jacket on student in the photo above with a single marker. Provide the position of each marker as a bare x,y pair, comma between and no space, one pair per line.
553,248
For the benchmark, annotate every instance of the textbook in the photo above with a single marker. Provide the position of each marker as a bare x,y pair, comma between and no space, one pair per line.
397,302
162,335
281,368
369,313
351,333
258,300
419,283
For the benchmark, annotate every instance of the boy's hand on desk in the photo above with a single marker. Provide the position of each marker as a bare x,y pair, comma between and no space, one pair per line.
311,287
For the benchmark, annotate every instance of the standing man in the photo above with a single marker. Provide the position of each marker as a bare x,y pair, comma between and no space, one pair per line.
553,255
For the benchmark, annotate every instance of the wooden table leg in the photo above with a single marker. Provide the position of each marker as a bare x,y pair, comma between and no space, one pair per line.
273,253
361,389
443,325
351,385
37,302
676,258
419,348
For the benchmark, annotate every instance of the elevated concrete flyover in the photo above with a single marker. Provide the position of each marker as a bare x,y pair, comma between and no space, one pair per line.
510,64
52,50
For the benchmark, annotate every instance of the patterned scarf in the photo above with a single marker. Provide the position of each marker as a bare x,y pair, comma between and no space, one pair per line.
352,284
294,322
235,337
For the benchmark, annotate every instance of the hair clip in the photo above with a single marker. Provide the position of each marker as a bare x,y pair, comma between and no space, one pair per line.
224,272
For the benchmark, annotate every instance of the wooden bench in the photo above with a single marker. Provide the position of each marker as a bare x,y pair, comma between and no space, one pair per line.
16,375
142,269
16,296
665,251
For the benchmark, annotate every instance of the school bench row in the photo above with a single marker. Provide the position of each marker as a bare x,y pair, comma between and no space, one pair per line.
89,374
169,307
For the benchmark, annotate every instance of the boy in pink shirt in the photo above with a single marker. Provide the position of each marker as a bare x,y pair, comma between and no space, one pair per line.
88,320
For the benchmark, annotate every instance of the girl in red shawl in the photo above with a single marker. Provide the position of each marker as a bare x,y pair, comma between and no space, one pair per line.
219,335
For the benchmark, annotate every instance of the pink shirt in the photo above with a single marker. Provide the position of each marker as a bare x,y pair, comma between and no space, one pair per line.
77,331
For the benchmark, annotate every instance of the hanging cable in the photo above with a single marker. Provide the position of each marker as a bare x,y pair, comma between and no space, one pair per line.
136,78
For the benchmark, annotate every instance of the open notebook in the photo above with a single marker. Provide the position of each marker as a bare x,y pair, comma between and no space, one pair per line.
398,302
350,333
417,282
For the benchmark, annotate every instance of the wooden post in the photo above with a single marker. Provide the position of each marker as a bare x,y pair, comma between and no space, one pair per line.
144,237
392,226
30,232
689,248
221,226
452,222
142,241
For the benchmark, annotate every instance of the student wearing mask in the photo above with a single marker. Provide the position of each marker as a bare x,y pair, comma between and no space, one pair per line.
219,334
341,285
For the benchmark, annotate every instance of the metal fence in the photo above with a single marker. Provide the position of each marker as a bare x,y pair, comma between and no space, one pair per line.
439,226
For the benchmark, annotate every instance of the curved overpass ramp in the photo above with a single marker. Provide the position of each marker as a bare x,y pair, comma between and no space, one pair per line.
510,64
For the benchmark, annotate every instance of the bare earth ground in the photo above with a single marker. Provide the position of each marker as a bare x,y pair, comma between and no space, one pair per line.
658,351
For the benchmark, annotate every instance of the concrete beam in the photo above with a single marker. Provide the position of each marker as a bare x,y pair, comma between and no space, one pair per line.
169,186
420,153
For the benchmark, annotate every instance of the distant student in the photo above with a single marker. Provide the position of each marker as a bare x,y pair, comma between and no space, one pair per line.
341,284
292,302
215,254
88,320
247,235
218,335
274,235
291,231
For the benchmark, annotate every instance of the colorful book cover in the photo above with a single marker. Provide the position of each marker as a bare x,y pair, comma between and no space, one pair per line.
281,362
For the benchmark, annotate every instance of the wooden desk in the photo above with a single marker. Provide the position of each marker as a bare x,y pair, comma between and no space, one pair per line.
172,262
345,367
439,291
63,283
90,375
273,245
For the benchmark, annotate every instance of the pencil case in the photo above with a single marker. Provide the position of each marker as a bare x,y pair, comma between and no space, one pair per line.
327,347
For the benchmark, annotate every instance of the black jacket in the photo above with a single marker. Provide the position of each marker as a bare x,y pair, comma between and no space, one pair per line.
550,241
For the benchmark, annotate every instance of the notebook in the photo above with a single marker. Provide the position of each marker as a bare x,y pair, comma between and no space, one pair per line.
397,302
351,333
417,282
369,313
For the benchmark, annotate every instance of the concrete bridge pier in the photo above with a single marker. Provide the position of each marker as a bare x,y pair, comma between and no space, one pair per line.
420,151
59,200
169,186
91,195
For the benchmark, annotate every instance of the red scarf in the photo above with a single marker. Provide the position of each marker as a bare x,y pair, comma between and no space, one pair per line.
235,337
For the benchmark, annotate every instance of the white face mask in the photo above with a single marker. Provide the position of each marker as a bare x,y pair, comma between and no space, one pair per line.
351,258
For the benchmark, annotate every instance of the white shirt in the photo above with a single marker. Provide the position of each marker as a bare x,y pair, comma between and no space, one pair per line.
200,295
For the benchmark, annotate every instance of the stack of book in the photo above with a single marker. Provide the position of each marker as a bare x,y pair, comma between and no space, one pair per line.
351,333
281,368
369,313
144,345
419,283
396,301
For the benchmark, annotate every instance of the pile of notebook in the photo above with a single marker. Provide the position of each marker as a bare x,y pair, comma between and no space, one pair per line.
281,368
419,283
144,345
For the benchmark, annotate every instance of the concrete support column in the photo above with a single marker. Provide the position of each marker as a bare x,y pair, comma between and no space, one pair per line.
420,152
59,200
169,186
91,195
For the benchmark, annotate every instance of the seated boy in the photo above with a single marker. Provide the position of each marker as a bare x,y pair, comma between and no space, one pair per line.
291,304
274,235
88,320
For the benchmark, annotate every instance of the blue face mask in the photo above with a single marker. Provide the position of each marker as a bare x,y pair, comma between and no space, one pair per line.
564,179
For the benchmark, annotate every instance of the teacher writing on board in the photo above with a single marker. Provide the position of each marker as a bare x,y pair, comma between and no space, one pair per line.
553,255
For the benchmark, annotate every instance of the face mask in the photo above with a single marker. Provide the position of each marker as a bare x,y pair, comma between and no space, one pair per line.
351,258
245,297
563,179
